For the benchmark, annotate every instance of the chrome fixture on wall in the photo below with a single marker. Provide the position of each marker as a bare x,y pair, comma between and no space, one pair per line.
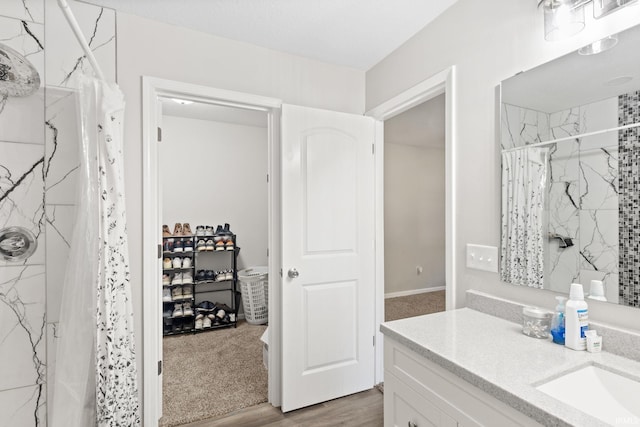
17,243
18,77
565,18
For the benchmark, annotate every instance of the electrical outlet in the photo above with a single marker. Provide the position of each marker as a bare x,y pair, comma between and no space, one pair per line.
482,257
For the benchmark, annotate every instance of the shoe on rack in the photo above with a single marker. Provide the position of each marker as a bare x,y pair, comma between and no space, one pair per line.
199,322
200,230
206,307
220,245
177,230
166,295
186,229
187,293
166,314
186,309
219,234
200,276
201,246
186,262
177,262
227,230
187,278
229,275
220,276
229,245
177,279
177,311
206,322
178,246
208,231
176,293
187,245
165,231
166,264
167,246
166,280
210,245
210,276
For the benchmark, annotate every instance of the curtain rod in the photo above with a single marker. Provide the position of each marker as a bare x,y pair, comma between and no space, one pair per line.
71,19
566,138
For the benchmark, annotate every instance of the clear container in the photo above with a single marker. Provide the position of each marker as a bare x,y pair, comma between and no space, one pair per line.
536,322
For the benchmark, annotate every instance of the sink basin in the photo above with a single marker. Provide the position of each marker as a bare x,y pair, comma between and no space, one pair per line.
600,393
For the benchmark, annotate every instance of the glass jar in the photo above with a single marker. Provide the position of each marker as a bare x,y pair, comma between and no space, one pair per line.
536,322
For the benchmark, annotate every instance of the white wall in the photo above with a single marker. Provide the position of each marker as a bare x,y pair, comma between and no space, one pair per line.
213,173
414,215
487,42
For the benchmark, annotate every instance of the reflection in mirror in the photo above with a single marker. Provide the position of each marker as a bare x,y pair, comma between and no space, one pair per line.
571,174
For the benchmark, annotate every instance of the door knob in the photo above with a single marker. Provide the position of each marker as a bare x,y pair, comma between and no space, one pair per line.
293,273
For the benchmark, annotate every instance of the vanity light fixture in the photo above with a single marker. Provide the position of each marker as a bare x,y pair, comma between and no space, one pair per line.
562,18
181,101
599,46
565,18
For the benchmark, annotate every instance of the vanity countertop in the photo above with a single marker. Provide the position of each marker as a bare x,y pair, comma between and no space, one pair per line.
492,354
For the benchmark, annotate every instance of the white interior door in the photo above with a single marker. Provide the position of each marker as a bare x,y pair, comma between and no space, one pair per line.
328,239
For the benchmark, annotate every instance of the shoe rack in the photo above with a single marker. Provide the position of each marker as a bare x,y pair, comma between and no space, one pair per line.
181,285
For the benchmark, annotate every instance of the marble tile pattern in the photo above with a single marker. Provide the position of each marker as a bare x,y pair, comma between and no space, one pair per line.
39,144
629,202
583,189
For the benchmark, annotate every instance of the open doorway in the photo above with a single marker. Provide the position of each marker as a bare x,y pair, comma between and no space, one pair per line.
414,211
213,163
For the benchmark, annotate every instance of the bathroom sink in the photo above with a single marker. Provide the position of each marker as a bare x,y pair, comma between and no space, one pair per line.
603,394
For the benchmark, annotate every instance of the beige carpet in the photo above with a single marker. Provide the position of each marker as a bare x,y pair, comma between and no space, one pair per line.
212,373
413,305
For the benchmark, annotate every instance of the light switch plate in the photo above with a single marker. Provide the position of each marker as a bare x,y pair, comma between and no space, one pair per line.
482,257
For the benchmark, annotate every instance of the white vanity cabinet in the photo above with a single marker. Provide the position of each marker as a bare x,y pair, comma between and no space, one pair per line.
420,393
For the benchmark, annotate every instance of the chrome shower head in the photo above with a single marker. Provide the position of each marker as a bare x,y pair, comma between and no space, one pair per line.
18,77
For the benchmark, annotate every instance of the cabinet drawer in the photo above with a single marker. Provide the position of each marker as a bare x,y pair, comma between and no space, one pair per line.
403,407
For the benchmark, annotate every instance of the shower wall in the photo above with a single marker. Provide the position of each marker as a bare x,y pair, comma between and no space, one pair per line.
38,168
583,189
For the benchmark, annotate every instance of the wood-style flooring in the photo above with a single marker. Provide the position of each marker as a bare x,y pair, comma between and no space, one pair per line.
362,409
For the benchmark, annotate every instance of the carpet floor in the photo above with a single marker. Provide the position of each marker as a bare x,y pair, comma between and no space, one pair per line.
413,305
212,373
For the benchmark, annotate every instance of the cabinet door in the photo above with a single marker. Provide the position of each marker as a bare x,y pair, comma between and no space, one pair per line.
404,407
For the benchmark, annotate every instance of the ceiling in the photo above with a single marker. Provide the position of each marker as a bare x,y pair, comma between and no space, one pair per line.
352,33
215,113
421,126
575,79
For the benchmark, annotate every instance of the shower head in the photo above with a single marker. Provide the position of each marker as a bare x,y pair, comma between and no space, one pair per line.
18,77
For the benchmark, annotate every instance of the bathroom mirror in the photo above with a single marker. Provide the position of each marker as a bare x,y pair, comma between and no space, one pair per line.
570,146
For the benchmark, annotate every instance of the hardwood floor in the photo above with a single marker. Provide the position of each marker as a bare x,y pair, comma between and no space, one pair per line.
362,409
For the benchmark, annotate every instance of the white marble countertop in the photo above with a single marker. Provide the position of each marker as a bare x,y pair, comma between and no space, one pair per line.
494,355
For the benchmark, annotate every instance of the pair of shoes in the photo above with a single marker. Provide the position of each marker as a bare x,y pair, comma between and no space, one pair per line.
223,275
167,245
178,262
165,231
185,278
182,229
182,310
181,245
205,276
205,245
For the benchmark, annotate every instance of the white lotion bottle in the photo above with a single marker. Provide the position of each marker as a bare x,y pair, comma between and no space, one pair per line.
576,319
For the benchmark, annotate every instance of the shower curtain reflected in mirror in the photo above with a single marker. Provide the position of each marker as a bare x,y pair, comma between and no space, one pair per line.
524,185
96,377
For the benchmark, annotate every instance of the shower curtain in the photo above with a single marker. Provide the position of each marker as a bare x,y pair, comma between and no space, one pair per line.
95,373
524,185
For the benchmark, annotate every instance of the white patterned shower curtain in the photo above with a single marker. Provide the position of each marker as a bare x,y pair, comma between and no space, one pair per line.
95,373
524,185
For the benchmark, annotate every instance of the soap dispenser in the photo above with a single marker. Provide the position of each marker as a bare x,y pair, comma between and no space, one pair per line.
576,319
557,323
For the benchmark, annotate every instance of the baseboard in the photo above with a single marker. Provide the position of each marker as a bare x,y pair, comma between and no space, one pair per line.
414,292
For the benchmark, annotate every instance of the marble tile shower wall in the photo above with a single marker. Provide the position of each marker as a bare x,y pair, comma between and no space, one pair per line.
583,189
38,165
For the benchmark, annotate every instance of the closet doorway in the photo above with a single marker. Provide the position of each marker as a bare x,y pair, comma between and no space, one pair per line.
213,162
414,211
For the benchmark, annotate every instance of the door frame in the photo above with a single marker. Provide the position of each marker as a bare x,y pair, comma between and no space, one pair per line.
442,82
152,88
